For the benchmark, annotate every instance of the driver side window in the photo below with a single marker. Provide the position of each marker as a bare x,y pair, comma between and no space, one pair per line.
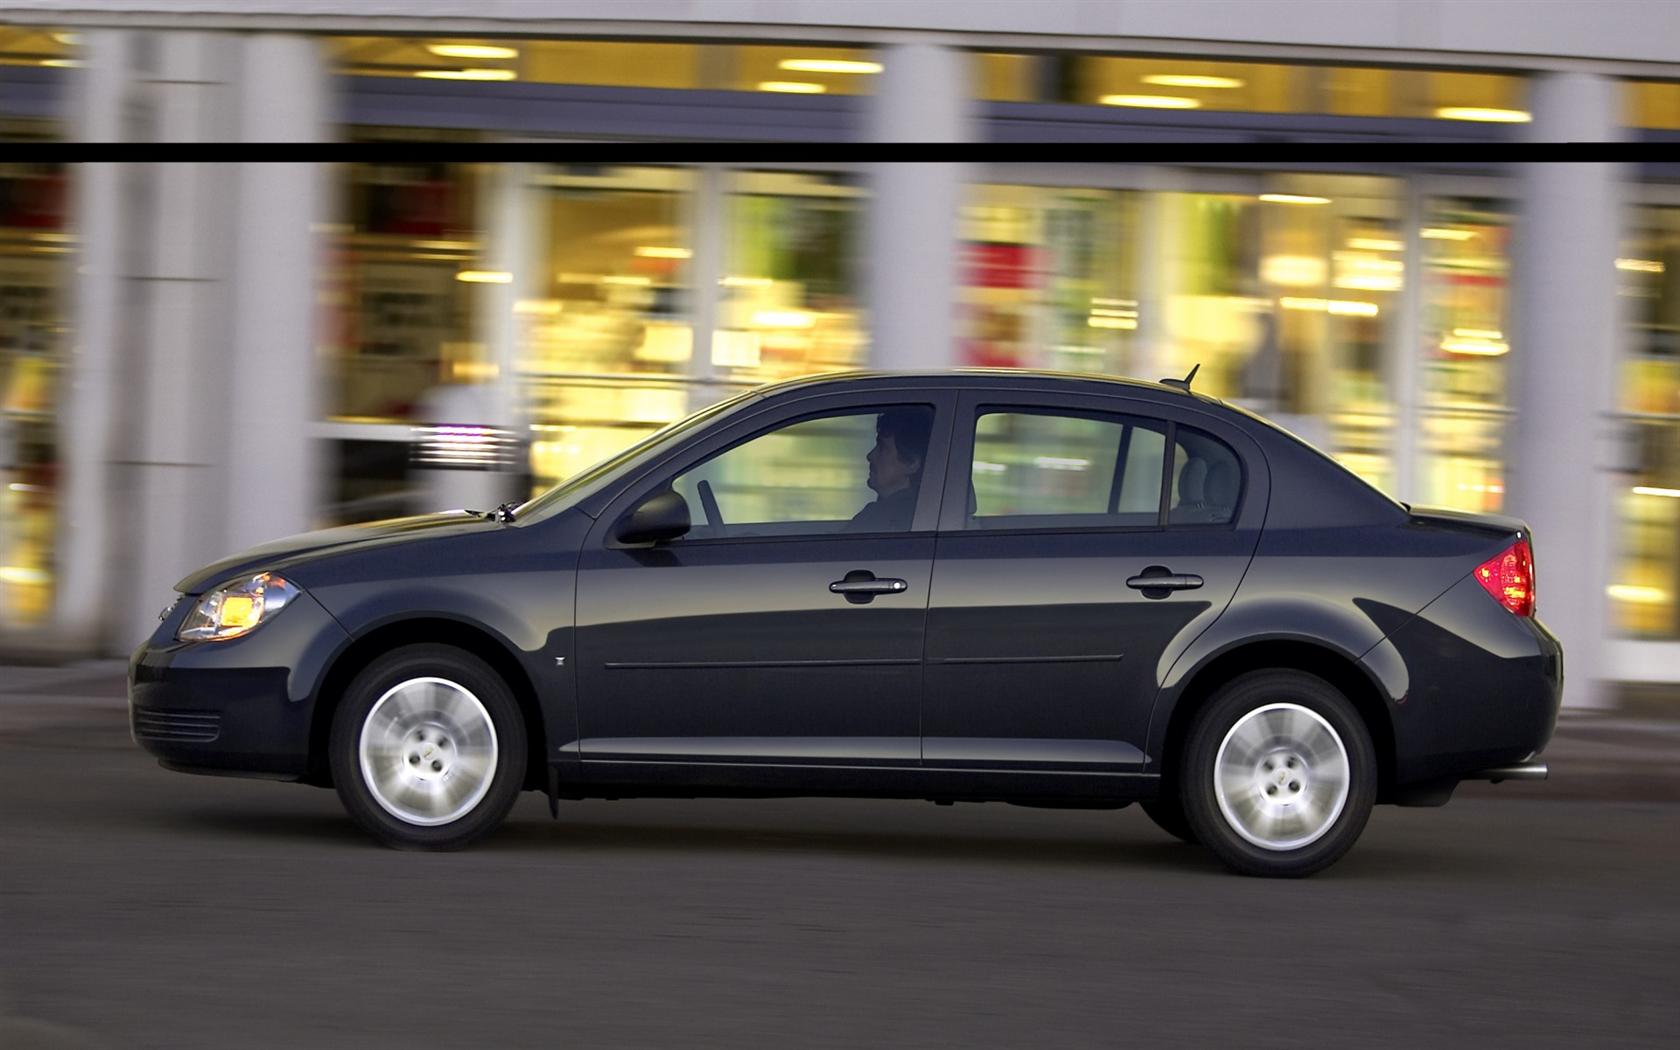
859,471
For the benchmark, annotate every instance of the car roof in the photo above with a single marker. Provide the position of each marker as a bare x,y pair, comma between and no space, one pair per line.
999,378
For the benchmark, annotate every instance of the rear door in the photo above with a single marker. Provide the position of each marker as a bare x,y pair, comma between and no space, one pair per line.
1083,542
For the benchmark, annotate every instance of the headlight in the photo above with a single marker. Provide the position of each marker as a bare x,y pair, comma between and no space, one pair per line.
236,609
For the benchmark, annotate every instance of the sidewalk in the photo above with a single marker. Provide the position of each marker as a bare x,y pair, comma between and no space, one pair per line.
1593,754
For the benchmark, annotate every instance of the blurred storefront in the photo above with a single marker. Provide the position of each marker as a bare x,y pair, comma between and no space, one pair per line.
36,249
551,313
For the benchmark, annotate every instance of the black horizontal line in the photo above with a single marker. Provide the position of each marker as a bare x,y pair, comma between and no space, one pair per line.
641,665
1091,659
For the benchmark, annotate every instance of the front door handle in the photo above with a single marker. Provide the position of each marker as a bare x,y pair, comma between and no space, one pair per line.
861,586
1157,581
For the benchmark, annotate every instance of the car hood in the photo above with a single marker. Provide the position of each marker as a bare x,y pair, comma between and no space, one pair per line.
282,553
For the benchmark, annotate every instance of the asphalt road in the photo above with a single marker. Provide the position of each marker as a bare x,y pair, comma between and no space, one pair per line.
140,908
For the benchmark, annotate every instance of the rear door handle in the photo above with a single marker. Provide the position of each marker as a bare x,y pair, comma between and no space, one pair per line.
1165,581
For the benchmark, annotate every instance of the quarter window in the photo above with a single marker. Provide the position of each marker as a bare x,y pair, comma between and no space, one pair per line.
1048,470
1207,480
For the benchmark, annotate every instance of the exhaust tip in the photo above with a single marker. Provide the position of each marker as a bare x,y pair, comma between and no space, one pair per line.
1516,771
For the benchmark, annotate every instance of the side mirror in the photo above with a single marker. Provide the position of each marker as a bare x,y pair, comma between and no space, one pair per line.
662,516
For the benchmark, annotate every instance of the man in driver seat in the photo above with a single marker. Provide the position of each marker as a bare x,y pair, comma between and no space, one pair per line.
895,470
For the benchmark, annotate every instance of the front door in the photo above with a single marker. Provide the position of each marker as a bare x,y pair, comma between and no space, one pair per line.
1093,538
785,629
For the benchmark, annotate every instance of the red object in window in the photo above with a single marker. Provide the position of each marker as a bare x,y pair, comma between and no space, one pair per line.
992,265
1509,577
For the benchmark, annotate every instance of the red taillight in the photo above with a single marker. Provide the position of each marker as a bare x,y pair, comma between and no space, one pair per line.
1509,577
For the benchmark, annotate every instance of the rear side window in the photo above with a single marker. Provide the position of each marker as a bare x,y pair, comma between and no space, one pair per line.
1043,469
1207,480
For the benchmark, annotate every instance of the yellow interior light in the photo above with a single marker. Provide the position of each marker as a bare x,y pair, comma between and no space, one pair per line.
1484,113
1475,347
654,251
1124,324
1443,233
827,65
791,87
1653,490
1640,265
1375,244
467,74
1188,80
1351,308
1629,592
485,276
1292,198
472,51
1151,101
239,610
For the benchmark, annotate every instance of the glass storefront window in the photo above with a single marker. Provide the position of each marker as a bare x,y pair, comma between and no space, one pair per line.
1179,83
1288,300
35,246
790,299
400,286
398,296
606,330
778,68
1645,592
1466,302
1050,279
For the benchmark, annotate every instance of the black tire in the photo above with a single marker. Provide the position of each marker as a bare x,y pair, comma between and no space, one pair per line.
457,668
1233,703
1167,811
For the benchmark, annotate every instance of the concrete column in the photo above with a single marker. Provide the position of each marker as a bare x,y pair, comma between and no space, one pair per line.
914,239
1563,372
171,325
88,390
272,463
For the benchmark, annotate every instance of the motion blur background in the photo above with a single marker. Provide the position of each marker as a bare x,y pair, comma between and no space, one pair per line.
195,357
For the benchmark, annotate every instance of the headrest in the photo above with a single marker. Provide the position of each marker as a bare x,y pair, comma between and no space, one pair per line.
1192,482
1221,488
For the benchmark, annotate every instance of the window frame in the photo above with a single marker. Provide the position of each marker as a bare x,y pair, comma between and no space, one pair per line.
982,407
774,416
953,518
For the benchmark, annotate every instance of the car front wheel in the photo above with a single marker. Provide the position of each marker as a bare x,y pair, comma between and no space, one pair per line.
428,748
1278,775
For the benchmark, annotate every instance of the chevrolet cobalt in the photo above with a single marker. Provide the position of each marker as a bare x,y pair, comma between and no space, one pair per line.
971,586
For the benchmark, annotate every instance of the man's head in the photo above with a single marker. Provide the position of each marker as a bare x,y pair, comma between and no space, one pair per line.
901,441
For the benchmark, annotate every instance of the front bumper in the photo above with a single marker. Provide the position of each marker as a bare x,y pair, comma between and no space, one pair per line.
238,707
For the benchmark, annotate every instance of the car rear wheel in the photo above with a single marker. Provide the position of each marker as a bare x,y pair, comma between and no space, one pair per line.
428,748
1278,775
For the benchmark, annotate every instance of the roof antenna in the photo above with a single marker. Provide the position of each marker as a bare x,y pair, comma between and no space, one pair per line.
1183,384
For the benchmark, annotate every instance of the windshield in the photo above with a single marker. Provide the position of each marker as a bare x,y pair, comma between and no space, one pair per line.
591,479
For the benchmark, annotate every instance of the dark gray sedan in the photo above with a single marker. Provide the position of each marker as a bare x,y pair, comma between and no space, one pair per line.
970,586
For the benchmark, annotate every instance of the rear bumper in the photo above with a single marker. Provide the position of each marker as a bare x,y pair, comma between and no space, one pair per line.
241,707
1483,689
